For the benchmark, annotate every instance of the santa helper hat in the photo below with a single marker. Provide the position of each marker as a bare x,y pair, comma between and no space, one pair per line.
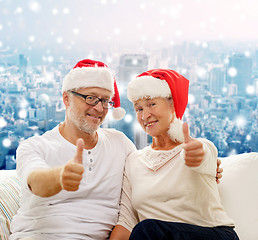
91,73
163,83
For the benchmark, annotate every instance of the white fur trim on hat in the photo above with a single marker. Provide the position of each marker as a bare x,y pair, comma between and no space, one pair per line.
89,77
147,86
175,130
118,113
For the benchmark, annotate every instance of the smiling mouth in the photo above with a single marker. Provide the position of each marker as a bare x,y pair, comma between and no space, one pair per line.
150,124
94,117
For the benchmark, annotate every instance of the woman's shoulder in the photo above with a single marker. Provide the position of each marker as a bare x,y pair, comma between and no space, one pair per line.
138,153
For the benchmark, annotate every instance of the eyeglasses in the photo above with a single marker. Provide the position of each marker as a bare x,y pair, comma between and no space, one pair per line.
93,100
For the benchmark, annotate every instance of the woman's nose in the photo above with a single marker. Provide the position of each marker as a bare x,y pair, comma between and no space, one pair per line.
145,114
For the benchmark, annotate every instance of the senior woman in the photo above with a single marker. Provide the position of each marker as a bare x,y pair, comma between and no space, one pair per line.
169,189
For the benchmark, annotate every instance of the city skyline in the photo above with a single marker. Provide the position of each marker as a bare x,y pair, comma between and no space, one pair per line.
222,103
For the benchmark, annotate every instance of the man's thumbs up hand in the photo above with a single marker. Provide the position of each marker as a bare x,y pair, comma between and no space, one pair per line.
72,172
194,152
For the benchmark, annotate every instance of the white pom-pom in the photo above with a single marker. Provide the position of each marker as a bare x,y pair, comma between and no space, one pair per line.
175,130
118,113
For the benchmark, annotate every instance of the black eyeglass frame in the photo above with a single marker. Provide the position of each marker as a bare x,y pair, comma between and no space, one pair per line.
96,101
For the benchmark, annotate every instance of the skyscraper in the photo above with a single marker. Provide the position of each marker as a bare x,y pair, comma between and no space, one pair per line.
23,62
239,72
216,79
130,66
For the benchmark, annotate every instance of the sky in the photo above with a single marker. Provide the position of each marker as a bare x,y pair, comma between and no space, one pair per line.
65,27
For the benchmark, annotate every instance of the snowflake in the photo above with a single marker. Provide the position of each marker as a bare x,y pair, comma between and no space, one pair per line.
66,10
250,90
139,25
135,61
172,43
191,98
232,72
7,142
109,60
247,53
226,60
204,44
201,72
76,31
34,6
128,118
18,10
31,38
117,31
3,123
54,11
248,137
59,40
142,6
22,113
50,59
240,121
224,89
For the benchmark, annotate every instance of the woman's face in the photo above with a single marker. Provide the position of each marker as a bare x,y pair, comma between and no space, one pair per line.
154,115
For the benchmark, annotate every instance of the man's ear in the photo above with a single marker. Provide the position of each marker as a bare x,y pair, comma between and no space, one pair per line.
66,98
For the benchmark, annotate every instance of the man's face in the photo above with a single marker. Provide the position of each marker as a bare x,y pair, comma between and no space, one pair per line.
85,117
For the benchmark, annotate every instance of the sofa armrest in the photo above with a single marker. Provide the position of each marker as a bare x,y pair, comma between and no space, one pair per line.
9,200
239,192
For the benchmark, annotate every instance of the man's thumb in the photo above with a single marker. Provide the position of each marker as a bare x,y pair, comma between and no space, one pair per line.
186,133
80,146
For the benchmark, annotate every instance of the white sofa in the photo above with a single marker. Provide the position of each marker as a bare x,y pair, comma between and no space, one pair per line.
238,189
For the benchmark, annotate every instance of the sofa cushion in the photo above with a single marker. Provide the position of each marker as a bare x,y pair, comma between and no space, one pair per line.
239,193
238,190
9,200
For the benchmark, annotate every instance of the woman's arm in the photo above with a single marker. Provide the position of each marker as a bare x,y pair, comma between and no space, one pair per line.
120,233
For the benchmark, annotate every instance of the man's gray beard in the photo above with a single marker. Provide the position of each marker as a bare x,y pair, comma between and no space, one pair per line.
81,123
175,130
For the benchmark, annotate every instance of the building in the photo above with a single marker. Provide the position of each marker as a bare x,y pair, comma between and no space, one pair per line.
23,63
239,72
216,79
130,66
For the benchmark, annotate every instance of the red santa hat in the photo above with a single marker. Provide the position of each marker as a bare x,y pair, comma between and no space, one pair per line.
91,73
161,83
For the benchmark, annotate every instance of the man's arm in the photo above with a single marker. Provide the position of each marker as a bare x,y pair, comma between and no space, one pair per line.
120,233
48,182
219,171
45,182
